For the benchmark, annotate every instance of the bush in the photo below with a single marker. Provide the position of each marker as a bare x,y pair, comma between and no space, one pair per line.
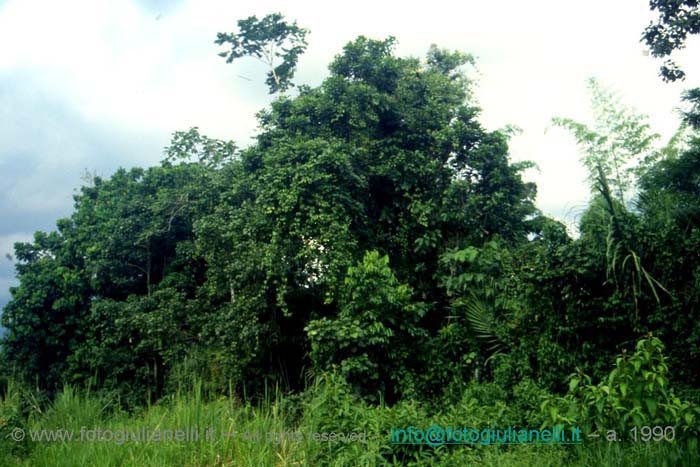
635,394
372,338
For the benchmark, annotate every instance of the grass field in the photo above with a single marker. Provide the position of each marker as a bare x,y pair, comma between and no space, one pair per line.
277,431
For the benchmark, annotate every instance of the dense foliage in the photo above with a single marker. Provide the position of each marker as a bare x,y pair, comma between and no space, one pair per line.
319,244
376,231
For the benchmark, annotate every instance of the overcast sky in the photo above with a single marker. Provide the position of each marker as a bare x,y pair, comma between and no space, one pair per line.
100,84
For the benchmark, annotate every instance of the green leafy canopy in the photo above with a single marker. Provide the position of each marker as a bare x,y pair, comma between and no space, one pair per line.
269,40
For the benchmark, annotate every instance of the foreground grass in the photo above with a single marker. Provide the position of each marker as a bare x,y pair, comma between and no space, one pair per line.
277,432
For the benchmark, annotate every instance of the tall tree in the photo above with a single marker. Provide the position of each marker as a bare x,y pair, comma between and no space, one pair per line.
386,154
45,320
620,142
218,252
269,40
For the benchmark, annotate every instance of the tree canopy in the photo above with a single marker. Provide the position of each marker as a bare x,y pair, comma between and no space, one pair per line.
269,39
221,251
677,20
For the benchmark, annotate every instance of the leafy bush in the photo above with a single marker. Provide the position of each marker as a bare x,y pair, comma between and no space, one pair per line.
636,393
372,338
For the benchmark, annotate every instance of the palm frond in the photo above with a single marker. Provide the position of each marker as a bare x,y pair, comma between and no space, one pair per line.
482,322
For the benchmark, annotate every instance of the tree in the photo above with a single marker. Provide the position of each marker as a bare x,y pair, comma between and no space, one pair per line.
371,338
677,20
107,294
45,320
691,115
620,142
670,212
220,252
268,40
634,267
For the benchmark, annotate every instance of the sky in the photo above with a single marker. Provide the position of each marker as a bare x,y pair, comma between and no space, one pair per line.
96,85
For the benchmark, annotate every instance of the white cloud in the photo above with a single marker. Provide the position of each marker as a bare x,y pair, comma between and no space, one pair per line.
118,64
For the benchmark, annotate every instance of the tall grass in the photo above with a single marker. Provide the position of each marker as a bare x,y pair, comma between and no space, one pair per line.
328,406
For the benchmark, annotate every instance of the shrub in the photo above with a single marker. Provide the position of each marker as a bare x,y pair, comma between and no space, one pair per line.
372,338
635,394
